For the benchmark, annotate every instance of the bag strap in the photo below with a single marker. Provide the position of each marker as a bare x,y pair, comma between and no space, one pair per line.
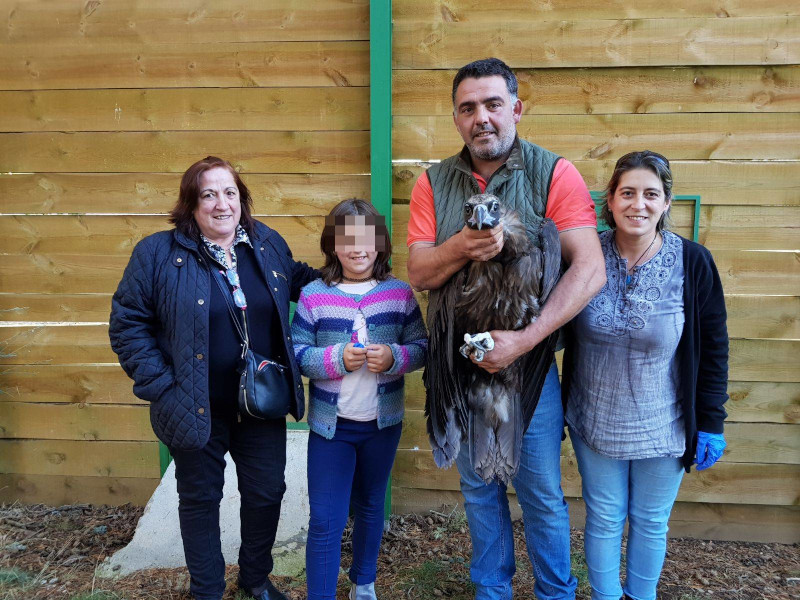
242,331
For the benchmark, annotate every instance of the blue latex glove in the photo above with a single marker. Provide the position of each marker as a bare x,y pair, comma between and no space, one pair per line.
709,449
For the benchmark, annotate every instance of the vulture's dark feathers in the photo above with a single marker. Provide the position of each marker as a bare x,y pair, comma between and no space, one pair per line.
464,403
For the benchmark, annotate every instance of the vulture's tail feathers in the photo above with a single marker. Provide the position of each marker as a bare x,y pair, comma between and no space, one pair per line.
496,440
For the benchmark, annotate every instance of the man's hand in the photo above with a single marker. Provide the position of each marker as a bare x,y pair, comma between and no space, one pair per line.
379,358
508,347
354,357
481,244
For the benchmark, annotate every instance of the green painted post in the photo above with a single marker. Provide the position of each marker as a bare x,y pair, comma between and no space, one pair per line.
380,104
163,457
380,121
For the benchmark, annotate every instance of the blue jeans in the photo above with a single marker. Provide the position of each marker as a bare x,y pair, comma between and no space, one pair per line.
357,460
643,491
544,511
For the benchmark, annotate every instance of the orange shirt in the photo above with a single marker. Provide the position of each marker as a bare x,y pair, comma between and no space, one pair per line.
568,203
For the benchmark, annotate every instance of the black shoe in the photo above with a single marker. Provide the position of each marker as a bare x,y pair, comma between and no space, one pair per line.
268,593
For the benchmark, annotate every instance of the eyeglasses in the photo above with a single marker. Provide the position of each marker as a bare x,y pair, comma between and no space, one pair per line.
238,295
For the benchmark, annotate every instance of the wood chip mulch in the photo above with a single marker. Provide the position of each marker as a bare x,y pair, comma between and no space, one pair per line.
52,552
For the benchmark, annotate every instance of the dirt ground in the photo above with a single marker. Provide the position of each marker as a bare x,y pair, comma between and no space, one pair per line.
48,552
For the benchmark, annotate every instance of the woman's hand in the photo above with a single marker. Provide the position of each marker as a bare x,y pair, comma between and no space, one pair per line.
709,449
379,358
354,357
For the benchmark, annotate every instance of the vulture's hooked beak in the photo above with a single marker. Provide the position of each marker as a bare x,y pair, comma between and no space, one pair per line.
481,216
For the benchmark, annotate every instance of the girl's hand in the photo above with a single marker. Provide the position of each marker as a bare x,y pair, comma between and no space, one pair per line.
379,358
354,357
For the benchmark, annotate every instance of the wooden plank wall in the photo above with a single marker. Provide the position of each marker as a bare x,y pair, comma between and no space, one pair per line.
715,86
104,105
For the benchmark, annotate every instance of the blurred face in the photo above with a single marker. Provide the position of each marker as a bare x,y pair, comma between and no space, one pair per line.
356,245
218,208
638,203
486,117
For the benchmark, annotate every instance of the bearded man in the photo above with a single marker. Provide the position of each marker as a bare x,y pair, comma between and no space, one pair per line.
537,184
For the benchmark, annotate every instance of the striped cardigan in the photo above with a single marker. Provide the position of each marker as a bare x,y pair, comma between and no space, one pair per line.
323,326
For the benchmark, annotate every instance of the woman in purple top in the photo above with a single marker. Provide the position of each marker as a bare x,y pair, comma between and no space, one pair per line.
645,378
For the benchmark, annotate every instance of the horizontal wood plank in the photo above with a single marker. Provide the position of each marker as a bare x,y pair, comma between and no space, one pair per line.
154,193
72,308
737,522
582,137
761,183
53,345
526,43
36,66
111,235
155,22
477,11
750,401
174,151
617,90
740,522
216,109
763,401
58,490
730,483
76,274
769,317
762,443
101,422
781,238
78,384
741,272
80,458
725,230
764,360
722,227
757,272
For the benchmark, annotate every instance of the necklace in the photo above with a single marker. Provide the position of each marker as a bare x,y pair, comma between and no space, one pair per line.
351,280
641,256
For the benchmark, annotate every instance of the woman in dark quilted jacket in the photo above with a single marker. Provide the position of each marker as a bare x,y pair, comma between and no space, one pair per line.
176,324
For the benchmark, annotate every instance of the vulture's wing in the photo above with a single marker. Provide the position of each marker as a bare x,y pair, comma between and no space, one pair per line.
445,401
551,250
539,360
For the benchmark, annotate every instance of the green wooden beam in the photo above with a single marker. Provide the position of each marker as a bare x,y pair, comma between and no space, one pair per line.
163,457
380,122
380,106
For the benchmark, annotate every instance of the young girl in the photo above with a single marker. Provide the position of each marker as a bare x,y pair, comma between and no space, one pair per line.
356,331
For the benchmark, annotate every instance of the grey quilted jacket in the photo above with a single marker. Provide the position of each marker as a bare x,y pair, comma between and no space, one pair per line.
159,327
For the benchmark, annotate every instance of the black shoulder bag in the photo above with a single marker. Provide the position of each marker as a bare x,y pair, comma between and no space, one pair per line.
264,390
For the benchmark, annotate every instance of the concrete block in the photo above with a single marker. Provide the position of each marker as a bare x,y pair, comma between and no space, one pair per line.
157,540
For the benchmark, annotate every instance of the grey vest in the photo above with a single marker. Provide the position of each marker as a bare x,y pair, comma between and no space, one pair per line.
523,183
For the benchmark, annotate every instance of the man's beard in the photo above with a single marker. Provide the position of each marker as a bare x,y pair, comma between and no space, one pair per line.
497,150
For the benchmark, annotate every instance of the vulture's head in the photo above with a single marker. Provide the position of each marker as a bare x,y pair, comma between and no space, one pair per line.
482,211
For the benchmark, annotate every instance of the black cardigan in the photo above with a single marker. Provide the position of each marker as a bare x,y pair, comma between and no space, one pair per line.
702,350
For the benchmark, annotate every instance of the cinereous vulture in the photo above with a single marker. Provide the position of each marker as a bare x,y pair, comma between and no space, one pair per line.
464,403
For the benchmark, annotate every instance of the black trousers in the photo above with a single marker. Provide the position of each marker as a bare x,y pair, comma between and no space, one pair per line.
258,449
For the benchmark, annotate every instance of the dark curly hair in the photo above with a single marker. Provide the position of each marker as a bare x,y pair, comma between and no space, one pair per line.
332,269
645,159
182,214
